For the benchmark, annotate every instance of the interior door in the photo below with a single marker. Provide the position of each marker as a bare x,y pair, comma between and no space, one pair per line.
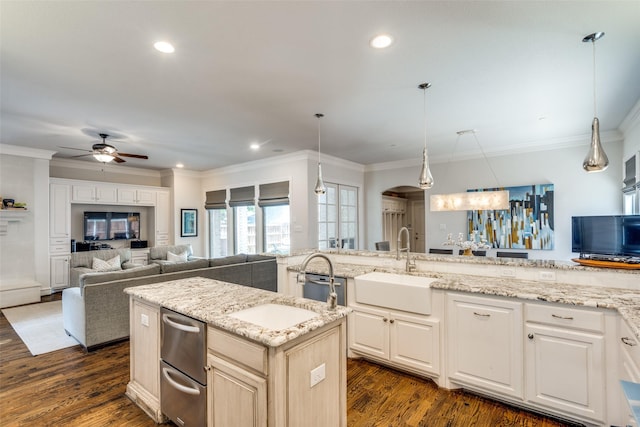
417,220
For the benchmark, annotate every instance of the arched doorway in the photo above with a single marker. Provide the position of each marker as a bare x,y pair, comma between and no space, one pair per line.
403,206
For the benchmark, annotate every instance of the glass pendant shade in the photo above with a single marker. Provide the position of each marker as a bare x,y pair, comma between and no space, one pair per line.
320,188
426,179
104,158
596,160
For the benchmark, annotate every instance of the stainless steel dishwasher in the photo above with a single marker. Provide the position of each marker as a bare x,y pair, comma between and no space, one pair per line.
183,376
316,287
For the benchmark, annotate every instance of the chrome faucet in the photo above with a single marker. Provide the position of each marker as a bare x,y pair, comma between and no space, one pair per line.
332,299
410,266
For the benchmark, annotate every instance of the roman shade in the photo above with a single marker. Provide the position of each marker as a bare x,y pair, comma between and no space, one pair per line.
276,193
243,196
216,199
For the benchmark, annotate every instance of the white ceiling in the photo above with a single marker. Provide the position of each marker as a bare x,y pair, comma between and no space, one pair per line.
247,71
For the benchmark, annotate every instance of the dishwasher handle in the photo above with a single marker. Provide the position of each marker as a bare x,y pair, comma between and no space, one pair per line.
188,390
166,318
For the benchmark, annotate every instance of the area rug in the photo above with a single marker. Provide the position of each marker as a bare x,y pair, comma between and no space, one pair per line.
40,326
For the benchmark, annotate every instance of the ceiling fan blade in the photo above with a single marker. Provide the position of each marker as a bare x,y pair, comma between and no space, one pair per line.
118,159
81,155
79,149
135,156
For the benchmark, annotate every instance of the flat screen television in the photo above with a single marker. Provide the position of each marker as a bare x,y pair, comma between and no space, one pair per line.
606,235
111,225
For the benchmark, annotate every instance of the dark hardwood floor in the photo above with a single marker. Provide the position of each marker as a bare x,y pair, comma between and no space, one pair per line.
69,387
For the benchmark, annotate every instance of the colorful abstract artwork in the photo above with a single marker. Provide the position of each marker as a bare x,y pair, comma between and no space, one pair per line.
527,224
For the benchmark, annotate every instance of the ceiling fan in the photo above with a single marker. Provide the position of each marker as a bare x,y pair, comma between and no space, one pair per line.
105,153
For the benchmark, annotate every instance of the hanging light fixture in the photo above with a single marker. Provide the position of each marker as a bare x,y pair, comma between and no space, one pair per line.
426,179
474,200
596,160
320,187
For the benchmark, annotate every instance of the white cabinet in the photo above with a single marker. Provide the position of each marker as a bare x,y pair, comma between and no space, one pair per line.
403,340
133,196
628,366
485,343
59,271
565,360
140,256
59,211
91,193
144,385
162,219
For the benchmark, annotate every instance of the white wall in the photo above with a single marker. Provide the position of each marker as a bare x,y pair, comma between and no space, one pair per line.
631,130
576,192
187,194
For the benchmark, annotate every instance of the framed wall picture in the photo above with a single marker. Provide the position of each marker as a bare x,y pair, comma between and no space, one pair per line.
188,222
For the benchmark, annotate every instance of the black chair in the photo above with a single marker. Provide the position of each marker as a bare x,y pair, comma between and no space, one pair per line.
383,246
524,255
441,251
475,253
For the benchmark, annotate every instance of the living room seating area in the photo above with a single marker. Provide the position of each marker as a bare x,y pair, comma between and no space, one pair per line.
96,310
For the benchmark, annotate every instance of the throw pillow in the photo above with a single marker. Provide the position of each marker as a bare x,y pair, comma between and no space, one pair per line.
112,264
177,258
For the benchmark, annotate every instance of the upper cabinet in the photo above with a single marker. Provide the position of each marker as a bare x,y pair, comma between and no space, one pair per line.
91,193
132,196
60,211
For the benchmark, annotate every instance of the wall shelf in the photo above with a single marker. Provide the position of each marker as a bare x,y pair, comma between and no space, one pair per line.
10,215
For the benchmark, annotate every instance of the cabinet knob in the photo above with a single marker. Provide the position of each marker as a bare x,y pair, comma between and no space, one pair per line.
530,336
384,319
628,341
391,321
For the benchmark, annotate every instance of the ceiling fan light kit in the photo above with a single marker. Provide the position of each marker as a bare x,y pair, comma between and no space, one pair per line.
105,153
596,159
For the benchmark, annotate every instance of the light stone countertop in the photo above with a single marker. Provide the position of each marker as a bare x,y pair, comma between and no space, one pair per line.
625,301
212,301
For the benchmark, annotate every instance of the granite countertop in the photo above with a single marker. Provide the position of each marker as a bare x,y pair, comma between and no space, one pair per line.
625,301
212,301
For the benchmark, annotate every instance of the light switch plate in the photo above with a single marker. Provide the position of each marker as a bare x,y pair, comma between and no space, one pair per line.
144,320
317,375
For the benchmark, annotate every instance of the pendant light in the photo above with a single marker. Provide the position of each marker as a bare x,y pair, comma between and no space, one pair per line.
426,179
596,160
320,187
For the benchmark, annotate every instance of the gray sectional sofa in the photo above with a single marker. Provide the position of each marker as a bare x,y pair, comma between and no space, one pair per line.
96,311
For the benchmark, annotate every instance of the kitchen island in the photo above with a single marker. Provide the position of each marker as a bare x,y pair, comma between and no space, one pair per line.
256,374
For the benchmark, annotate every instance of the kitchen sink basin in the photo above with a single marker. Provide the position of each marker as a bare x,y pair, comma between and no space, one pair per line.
274,316
396,291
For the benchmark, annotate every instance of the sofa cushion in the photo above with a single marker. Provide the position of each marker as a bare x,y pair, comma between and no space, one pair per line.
143,270
112,264
182,257
170,266
232,259
85,259
160,252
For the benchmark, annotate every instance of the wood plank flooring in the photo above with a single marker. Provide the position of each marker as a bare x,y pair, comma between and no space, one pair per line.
69,387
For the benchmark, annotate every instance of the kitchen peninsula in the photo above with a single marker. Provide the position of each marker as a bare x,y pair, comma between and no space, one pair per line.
257,373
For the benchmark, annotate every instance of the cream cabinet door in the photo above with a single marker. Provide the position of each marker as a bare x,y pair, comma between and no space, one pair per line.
414,342
565,370
59,211
145,347
485,343
235,396
106,194
162,218
369,332
59,271
84,193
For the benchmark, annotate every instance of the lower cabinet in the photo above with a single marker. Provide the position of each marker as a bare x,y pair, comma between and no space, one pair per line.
484,348
404,340
565,360
628,367
144,384
59,271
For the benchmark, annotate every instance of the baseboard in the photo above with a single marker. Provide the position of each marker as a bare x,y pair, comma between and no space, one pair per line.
25,295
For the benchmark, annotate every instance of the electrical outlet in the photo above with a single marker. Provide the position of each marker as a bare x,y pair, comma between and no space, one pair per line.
317,375
508,272
144,319
547,275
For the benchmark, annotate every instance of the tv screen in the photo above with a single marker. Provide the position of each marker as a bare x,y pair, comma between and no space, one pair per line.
111,225
606,235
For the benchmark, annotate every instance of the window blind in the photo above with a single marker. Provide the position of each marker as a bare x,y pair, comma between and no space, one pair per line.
242,196
216,199
276,193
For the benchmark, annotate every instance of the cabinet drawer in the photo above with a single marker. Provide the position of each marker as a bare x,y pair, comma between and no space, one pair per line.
565,317
59,241
238,350
60,249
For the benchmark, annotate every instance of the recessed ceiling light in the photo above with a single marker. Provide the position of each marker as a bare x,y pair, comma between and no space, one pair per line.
179,165
381,41
254,146
164,47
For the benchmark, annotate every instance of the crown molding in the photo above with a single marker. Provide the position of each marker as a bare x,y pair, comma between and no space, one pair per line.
631,120
116,169
34,153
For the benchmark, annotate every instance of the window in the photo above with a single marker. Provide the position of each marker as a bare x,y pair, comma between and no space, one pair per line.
274,201
216,206
242,200
338,217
